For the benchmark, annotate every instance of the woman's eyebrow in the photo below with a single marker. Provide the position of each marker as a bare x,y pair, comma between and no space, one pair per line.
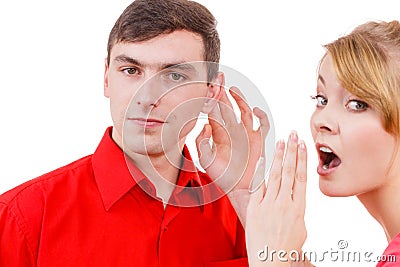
320,78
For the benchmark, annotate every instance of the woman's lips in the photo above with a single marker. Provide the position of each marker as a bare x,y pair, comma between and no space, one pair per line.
322,171
328,160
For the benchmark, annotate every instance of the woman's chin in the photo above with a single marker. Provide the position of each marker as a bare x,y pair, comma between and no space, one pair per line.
330,189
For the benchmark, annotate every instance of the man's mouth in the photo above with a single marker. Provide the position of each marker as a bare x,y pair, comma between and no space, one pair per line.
147,122
328,160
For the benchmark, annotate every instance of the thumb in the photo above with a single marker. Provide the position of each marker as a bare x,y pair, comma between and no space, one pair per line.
203,146
257,187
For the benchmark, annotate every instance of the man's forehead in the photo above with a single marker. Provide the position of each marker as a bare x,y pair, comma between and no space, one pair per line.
178,46
144,62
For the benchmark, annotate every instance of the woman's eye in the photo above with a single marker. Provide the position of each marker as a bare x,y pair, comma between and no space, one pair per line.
356,105
130,71
321,101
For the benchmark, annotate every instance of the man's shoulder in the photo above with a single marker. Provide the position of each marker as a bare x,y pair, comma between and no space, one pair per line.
38,185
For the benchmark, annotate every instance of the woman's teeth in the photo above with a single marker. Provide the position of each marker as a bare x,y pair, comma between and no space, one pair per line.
325,149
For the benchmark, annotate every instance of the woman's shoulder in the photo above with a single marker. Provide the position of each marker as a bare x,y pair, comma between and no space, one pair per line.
391,255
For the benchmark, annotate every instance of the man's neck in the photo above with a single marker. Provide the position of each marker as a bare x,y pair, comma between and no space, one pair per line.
162,169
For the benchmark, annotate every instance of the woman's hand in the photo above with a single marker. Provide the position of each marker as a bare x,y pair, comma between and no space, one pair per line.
275,215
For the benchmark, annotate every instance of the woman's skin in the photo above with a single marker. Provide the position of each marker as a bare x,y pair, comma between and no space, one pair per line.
284,197
351,128
366,164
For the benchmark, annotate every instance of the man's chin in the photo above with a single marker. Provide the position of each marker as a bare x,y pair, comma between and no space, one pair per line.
132,147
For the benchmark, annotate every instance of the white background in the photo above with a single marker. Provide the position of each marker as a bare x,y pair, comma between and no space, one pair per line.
53,110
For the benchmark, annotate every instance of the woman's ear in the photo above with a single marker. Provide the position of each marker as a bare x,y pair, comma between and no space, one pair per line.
213,92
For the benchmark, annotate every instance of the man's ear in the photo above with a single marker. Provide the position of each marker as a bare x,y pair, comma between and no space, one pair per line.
106,68
214,92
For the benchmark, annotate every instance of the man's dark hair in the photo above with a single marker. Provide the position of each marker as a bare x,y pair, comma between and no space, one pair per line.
143,20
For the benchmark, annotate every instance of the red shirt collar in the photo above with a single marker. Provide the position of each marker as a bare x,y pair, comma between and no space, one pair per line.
114,179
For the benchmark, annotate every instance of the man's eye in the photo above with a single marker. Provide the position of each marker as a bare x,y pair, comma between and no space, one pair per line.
130,71
320,100
356,105
176,76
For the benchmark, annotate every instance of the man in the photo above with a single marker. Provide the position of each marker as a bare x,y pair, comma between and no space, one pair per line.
139,200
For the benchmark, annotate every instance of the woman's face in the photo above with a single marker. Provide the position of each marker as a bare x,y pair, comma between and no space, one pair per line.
354,149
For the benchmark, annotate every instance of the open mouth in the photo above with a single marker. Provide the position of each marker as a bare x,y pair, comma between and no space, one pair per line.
328,159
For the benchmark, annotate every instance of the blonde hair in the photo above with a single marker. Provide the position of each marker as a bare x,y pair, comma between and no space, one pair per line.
367,63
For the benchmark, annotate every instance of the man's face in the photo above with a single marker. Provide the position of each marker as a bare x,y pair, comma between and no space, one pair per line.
151,110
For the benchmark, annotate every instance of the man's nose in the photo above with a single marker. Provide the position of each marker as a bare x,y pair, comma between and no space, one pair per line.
149,94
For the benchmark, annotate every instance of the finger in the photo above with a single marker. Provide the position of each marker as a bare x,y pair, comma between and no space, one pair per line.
257,188
275,174
227,112
216,122
264,122
215,116
263,129
289,167
259,178
300,183
246,114
259,175
203,146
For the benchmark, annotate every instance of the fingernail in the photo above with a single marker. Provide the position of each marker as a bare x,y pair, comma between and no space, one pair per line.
302,146
280,145
294,137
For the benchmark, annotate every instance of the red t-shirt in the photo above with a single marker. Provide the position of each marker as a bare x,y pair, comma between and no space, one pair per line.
93,213
391,255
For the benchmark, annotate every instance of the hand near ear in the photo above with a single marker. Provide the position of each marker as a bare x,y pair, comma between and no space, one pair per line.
232,158
275,214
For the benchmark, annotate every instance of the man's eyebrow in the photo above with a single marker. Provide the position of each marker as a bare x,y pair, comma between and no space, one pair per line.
127,59
179,66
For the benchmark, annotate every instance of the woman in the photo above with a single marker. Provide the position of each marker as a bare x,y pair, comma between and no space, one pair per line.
356,130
